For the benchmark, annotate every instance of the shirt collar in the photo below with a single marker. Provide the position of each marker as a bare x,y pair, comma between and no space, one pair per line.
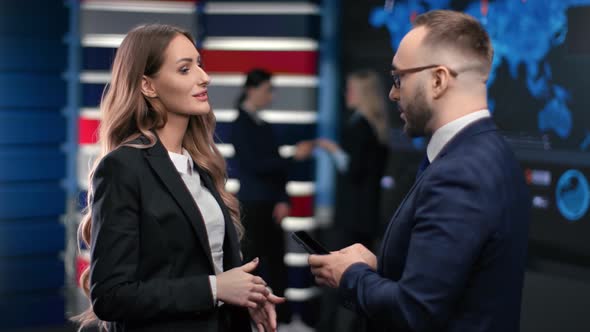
445,133
183,162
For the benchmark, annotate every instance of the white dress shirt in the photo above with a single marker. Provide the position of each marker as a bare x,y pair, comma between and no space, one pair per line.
210,209
444,134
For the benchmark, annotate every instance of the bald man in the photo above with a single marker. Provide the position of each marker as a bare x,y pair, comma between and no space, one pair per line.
453,256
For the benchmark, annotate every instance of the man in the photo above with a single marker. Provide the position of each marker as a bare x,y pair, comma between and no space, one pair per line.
453,256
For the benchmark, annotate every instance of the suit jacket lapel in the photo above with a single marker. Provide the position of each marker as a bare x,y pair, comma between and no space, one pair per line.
231,252
160,162
479,126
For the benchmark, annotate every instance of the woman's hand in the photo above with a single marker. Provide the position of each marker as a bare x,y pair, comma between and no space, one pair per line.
327,145
239,287
265,316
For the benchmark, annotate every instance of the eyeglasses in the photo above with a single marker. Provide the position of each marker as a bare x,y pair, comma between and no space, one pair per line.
396,74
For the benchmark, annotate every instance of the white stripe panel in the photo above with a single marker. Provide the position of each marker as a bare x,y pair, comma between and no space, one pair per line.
266,8
300,188
232,186
296,259
164,7
270,116
294,188
87,153
228,150
289,81
293,224
301,294
102,40
260,44
95,77
303,81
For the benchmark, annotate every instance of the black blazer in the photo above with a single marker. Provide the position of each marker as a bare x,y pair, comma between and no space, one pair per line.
150,257
262,171
358,193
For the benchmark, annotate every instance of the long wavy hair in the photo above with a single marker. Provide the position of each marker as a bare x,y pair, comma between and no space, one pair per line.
372,104
126,115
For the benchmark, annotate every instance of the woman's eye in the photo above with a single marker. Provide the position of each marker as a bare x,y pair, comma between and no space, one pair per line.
184,70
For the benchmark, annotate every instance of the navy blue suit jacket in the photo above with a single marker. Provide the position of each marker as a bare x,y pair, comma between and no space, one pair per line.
453,256
262,171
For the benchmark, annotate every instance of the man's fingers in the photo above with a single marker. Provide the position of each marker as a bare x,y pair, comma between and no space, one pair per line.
321,281
315,260
259,327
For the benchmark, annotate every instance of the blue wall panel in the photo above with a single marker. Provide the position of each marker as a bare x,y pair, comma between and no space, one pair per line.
285,134
28,127
33,273
31,200
31,237
301,26
97,58
27,55
33,60
39,19
32,164
37,90
91,94
37,309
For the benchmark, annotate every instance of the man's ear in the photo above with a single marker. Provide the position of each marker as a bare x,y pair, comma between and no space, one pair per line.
440,81
147,87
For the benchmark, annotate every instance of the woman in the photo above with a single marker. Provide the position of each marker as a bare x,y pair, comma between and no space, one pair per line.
163,232
360,161
263,175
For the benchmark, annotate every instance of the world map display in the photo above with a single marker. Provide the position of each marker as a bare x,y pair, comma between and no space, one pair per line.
530,58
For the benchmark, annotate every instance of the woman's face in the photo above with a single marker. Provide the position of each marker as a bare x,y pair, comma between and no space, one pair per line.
261,95
180,86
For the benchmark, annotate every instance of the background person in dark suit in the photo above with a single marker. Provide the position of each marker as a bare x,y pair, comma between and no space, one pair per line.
360,160
453,256
263,176
162,230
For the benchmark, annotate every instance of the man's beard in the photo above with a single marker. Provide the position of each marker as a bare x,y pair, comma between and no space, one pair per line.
417,114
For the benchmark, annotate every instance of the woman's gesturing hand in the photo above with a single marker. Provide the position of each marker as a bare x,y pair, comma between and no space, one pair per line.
239,287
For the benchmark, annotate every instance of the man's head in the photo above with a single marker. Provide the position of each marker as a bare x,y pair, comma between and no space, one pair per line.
440,70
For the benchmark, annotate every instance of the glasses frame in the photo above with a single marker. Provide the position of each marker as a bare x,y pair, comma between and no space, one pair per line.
396,74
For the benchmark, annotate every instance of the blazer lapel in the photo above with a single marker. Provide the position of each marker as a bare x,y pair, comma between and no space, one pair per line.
474,128
231,252
160,162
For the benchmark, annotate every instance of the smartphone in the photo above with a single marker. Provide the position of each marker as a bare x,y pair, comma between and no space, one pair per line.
309,244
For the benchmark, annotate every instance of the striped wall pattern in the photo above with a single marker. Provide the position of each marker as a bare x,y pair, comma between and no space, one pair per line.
234,37
33,59
280,37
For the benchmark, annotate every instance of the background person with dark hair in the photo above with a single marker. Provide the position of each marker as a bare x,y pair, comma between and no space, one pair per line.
263,177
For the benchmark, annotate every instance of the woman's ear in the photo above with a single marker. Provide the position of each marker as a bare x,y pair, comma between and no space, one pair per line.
147,87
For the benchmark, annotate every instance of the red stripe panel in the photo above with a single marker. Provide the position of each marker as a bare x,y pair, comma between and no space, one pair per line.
278,62
301,206
88,131
81,264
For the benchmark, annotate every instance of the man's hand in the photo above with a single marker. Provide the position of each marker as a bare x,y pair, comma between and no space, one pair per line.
366,254
280,211
328,269
265,316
